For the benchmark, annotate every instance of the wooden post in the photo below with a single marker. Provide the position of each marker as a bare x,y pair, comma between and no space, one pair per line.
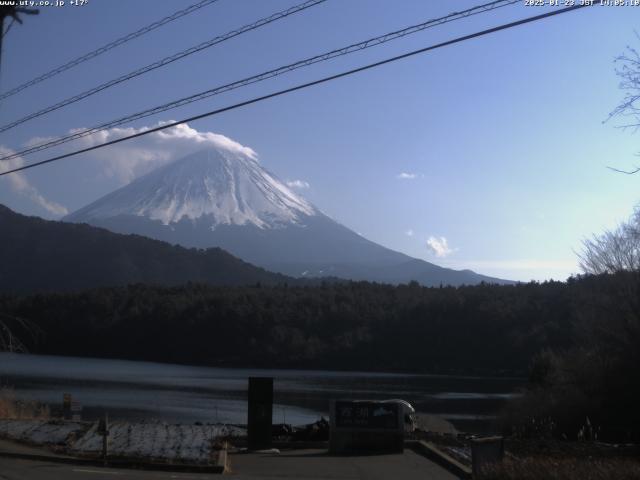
103,429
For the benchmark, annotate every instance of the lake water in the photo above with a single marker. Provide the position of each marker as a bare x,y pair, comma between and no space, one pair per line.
186,394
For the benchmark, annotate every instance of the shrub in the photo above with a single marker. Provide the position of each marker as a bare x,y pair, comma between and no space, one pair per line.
14,408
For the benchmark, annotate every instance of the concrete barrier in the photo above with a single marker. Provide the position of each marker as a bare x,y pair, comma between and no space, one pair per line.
485,452
432,452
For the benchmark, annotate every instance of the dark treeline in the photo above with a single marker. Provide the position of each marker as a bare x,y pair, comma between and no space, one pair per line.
577,341
472,330
591,389
38,255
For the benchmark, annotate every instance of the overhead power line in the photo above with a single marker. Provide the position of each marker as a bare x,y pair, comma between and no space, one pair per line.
372,42
166,61
306,85
8,27
107,47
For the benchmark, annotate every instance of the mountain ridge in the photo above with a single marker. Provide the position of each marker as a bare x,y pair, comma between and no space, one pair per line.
45,255
229,189
227,199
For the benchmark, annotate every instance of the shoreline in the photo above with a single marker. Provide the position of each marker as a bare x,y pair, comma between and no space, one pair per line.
306,370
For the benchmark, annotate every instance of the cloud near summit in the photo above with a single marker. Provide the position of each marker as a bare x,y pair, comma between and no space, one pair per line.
124,161
137,157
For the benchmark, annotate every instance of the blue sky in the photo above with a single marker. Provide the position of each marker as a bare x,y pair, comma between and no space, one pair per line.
501,138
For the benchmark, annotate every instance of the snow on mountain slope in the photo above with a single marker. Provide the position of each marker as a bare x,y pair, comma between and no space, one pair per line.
227,187
222,197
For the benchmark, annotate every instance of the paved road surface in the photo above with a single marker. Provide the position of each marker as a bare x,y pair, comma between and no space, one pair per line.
318,465
297,464
29,470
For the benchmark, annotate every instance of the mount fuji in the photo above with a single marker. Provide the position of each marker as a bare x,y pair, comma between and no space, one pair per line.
222,197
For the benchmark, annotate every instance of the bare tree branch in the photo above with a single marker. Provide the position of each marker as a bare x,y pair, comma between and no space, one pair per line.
615,250
627,68
9,340
631,172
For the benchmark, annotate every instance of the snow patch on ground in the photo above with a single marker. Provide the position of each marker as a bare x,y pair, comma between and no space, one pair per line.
41,432
151,441
177,443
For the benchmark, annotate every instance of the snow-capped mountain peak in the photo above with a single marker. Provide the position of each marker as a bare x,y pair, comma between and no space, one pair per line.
223,186
222,197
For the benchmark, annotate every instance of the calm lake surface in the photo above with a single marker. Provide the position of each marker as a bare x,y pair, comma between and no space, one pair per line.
187,394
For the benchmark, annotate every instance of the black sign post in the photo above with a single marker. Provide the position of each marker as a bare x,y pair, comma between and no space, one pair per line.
260,413
103,429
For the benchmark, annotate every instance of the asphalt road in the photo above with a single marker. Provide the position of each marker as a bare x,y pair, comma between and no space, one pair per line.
295,464
319,465
11,469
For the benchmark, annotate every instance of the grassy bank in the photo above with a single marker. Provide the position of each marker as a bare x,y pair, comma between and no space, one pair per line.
537,468
14,408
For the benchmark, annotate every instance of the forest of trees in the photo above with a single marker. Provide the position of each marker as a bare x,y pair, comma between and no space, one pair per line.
478,330
591,389
575,340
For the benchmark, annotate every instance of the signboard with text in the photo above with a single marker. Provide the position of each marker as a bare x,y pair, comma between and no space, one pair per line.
76,411
366,426
368,415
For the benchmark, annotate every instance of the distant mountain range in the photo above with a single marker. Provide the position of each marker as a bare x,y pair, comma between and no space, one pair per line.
41,255
224,198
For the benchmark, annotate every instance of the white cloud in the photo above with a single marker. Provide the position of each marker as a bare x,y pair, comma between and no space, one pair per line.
129,160
20,184
299,184
406,176
35,141
439,246
409,233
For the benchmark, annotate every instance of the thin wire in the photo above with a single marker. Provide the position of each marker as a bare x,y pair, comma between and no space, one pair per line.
166,61
266,75
307,85
9,27
107,47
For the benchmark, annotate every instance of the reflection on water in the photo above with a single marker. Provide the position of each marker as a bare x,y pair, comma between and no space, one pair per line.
180,393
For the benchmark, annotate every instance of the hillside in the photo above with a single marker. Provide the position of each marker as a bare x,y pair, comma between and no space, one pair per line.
40,255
